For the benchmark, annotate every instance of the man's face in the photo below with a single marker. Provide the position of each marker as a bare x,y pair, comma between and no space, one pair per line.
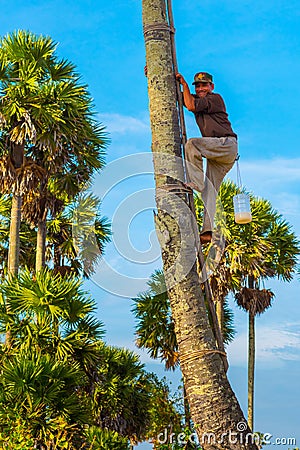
202,89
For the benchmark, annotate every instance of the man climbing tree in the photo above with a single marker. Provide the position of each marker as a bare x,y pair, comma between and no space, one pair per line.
218,145
215,411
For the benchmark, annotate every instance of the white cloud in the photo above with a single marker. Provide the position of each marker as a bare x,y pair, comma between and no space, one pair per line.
117,123
277,180
276,170
273,346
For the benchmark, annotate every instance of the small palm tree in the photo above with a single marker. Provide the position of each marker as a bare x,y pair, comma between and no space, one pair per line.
51,314
155,327
41,393
121,394
278,259
78,235
51,325
265,248
166,412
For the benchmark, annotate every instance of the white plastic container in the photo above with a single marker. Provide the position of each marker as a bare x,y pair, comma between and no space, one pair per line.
242,210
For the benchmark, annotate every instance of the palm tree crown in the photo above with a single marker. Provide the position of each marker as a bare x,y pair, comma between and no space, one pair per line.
47,131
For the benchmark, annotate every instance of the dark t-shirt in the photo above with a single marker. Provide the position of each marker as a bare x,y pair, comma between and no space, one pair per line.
211,116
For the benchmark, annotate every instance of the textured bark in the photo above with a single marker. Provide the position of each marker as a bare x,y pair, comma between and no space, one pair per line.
14,235
251,361
220,313
15,216
15,224
14,246
251,369
40,256
41,246
214,408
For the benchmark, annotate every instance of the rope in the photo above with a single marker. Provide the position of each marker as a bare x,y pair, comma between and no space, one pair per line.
158,27
238,173
208,294
192,356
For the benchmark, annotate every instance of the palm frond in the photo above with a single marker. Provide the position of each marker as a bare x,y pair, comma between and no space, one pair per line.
255,301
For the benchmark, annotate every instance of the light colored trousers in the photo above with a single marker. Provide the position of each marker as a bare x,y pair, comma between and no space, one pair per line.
220,154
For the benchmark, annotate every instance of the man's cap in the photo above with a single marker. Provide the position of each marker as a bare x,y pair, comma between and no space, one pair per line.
203,77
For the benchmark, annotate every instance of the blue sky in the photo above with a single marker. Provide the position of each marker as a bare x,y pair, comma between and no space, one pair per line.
252,49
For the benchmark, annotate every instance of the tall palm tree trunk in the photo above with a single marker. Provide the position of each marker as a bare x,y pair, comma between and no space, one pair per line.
214,407
14,235
15,216
40,255
41,246
15,225
251,369
251,362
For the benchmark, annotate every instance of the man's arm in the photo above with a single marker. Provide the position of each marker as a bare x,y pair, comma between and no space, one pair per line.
188,98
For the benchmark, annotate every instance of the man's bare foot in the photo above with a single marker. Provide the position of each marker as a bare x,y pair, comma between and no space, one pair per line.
206,237
192,186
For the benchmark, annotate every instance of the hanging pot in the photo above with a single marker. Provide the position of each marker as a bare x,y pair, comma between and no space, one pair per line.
242,210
